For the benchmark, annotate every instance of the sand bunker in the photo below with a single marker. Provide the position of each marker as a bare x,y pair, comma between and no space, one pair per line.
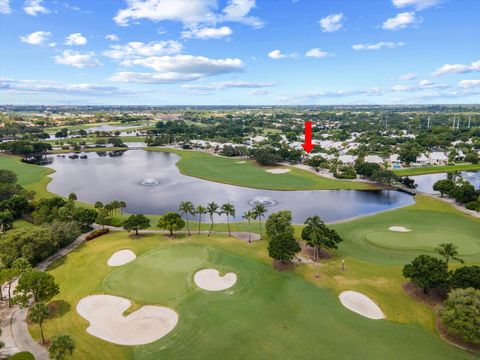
105,315
241,162
361,304
121,257
210,279
278,171
399,229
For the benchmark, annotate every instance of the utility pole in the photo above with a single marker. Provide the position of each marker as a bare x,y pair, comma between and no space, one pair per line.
469,120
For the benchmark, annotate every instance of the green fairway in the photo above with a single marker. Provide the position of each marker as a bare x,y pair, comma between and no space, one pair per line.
431,222
249,174
436,169
267,314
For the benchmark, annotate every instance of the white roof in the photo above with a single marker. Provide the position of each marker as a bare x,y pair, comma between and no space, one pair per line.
347,159
437,155
375,159
394,157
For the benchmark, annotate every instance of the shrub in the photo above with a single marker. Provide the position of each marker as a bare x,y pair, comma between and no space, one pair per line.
24,355
96,233
473,205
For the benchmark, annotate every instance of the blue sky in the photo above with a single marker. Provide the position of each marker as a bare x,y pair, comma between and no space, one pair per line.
228,52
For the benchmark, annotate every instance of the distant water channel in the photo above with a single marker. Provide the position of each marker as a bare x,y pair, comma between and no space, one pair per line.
150,183
425,182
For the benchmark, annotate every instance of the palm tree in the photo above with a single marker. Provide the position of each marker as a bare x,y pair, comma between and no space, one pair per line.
249,215
312,233
186,208
38,314
212,209
98,205
115,205
61,347
229,210
122,205
449,251
200,210
259,210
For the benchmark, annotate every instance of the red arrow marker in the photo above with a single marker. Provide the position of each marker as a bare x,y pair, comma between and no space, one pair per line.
308,146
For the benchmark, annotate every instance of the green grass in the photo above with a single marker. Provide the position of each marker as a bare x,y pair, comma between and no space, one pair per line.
229,171
432,222
436,169
268,314
23,355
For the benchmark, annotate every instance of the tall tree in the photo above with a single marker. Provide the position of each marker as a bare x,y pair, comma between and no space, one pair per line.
249,215
449,251
122,205
427,272
37,284
229,210
317,234
186,208
61,347
171,221
136,222
281,245
37,314
260,210
212,209
200,210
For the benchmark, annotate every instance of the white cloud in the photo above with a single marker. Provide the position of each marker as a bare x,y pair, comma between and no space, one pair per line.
469,83
408,76
259,92
190,13
401,21
401,88
229,84
316,53
36,38
417,4
331,22
207,33
178,68
112,37
137,49
457,68
5,7
75,39
378,46
425,83
54,87
277,54
34,7
76,59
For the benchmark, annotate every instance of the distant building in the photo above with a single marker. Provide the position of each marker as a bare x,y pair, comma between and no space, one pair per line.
374,159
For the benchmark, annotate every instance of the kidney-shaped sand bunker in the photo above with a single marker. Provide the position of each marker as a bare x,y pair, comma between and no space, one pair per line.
210,279
107,322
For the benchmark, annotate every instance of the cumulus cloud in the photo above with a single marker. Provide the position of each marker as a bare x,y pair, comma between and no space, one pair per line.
425,83
316,53
401,21
277,54
207,33
178,68
331,22
5,7
469,83
229,84
112,37
259,92
53,87
34,7
36,38
137,49
408,76
457,68
75,39
378,46
417,4
76,59
190,13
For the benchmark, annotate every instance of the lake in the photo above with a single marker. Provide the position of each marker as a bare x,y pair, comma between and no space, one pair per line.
150,183
425,182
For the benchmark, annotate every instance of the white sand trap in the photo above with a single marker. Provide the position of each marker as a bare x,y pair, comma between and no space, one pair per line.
361,304
241,162
121,257
210,279
399,229
105,315
278,171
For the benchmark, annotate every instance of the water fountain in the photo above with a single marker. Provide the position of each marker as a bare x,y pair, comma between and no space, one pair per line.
262,200
149,182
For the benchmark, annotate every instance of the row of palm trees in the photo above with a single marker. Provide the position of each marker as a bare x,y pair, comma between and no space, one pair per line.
111,207
187,208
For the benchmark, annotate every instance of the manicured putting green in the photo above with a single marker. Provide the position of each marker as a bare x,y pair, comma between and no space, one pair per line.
267,314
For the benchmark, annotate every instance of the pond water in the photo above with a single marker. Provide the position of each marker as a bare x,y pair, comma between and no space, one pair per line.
150,183
425,182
